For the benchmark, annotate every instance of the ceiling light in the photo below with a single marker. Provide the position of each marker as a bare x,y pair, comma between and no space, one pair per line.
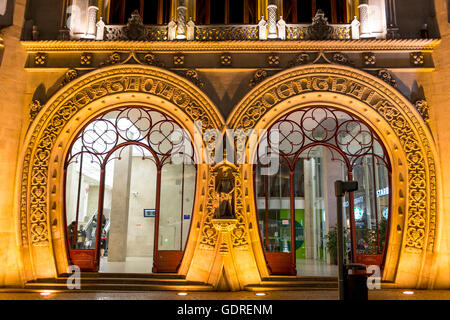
260,294
182,293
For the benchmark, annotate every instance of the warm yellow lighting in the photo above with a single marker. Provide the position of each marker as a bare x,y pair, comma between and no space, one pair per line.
260,294
182,293
408,292
46,293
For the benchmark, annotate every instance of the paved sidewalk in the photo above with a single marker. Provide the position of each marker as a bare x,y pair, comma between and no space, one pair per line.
385,294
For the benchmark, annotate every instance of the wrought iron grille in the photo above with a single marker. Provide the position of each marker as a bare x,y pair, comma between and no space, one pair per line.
155,134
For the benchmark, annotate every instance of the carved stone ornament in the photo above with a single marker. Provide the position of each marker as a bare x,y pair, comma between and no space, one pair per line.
210,233
152,60
319,29
424,109
341,58
135,29
417,58
40,59
302,58
35,108
69,76
273,59
114,58
369,58
193,76
178,59
258,77
225,59
386,76
86,59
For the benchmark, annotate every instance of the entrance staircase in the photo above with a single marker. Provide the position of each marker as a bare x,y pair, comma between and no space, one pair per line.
91,281
292,283
175,282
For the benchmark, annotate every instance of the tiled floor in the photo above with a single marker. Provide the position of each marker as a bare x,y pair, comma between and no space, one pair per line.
309,267
131,265
144,265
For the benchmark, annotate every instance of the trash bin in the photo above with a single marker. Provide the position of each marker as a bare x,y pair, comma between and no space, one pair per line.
356,282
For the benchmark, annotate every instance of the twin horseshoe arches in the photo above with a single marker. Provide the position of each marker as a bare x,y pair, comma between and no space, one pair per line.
408,141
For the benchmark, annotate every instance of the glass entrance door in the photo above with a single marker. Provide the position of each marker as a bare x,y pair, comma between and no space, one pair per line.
130,184
296,206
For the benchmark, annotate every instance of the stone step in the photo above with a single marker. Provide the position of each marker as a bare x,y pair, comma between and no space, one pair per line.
139,281
100,286
100,275
300,278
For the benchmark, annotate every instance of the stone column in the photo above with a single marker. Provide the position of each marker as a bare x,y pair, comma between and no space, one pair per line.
332,171
181,13
391,19
364,19
272,9
309,233
117,245
92,22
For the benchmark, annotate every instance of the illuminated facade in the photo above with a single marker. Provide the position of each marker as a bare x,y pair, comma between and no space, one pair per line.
114,110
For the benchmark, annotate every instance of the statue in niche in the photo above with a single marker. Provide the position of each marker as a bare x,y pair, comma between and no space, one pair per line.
224,187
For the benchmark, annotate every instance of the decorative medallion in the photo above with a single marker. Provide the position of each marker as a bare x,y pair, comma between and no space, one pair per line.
178,59
225,59
70,75
417,58
302,58
40,59
259,76
273,59
114,58
386,76
86,59
369,58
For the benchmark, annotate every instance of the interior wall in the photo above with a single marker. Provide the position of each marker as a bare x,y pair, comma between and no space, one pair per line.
142,196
